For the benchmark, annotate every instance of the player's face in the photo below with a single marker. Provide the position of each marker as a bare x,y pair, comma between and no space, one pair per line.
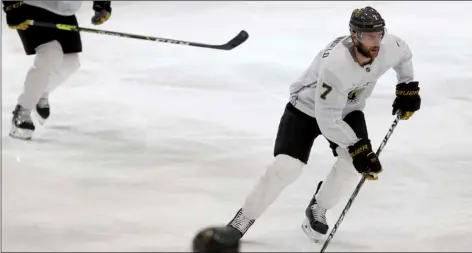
371,42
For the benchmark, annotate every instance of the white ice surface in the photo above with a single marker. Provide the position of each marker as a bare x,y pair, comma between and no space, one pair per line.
150,142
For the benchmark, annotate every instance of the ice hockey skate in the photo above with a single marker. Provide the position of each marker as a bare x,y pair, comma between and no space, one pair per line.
241,223
22,125
42,110
315,225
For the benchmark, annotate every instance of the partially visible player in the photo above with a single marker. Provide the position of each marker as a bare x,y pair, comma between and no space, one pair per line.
56,53
328,99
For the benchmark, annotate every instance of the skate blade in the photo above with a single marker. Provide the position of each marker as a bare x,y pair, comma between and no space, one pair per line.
312,234
22,134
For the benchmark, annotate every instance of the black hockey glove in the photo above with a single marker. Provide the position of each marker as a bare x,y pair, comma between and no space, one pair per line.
16,15
365,160
408,99
102,12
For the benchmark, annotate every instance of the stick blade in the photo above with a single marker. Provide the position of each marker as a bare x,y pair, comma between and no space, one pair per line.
236,41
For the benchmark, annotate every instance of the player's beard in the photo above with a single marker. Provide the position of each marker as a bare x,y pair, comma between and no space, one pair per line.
369,52
373,52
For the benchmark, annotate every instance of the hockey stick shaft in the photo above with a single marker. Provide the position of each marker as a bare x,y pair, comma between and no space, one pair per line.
236,41
359,186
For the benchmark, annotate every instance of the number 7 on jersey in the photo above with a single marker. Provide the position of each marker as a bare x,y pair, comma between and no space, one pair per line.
327,91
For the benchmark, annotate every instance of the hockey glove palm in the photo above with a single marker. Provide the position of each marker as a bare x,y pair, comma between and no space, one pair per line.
102,12
365,160
408,99
16,15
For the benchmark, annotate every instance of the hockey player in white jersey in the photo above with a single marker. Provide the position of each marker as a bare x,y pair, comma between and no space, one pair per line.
56,53
328,100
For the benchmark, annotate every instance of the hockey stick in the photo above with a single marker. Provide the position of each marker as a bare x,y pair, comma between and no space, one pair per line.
233,43
359,186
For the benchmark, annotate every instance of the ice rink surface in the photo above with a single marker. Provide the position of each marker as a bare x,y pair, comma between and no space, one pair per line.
150,142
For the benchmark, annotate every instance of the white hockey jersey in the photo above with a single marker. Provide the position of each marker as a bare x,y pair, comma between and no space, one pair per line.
63,8
335,84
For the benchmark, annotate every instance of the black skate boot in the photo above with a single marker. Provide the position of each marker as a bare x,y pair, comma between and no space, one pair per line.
315,225
22,125
43,110
241,223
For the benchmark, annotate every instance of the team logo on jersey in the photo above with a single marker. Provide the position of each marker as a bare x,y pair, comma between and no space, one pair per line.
353,95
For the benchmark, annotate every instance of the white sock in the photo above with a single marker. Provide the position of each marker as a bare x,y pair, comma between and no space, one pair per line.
48,58
342,178
282,172
69,66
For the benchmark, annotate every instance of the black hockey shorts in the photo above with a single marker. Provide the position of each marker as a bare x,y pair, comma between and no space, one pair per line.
35,36
298,131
